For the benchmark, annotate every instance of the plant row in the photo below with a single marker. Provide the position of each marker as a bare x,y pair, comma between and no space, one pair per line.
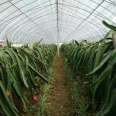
22,70
95,64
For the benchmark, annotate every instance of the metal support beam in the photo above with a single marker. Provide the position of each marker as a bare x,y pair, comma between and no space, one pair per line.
57,30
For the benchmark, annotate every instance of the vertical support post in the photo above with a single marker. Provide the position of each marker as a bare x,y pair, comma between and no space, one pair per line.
5,42
114,39
58,45
31,45
57,30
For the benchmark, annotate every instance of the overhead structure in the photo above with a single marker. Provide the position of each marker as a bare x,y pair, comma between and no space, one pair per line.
23,21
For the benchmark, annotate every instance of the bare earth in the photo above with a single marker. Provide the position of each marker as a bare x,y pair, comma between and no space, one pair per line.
60,95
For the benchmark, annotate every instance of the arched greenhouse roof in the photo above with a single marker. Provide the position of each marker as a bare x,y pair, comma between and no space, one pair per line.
22,21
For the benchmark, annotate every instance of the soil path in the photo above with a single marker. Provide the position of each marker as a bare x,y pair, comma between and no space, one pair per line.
60,94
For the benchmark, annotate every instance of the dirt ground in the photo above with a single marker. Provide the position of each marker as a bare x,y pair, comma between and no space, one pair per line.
60,95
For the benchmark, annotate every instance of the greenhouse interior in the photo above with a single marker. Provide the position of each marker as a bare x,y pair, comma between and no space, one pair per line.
57,57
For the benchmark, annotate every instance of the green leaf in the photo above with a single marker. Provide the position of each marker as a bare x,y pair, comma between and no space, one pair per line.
102,63
109,26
